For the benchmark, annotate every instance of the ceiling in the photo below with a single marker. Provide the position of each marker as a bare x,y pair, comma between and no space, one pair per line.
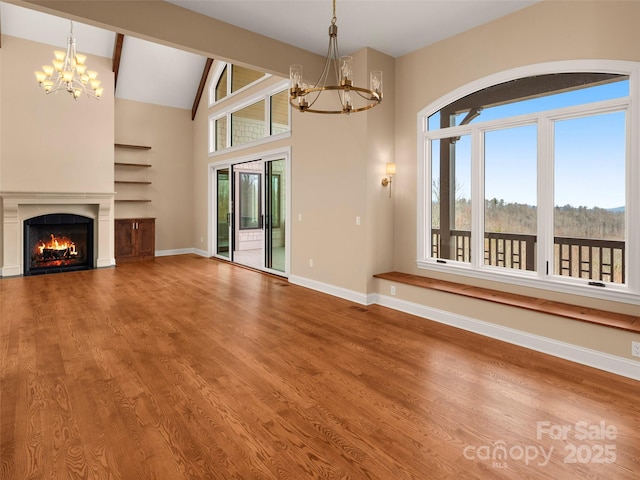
394,27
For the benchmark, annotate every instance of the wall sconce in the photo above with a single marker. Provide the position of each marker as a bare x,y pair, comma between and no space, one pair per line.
391,171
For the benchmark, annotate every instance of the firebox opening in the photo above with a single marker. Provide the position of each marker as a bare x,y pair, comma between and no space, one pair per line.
57,243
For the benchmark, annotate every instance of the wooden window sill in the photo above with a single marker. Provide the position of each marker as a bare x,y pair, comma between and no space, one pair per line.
600,317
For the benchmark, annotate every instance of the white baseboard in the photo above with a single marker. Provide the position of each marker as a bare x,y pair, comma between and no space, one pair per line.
585,356
340,292
105,262
574,353
11,271
181,251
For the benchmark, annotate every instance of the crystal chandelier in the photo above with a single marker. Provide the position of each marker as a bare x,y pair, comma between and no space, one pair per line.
69,73
349,98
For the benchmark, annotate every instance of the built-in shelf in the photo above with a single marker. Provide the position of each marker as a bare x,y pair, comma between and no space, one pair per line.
134,147
132,182
126,164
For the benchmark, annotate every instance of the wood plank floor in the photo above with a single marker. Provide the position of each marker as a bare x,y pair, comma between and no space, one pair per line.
190,368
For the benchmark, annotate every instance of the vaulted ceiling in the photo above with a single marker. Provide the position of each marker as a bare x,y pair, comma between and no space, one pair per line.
395,27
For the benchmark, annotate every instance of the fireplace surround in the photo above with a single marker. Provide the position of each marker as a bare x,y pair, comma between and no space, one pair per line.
20,207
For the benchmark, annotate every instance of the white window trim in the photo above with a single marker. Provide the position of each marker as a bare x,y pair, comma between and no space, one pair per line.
265,95
216,77
629,293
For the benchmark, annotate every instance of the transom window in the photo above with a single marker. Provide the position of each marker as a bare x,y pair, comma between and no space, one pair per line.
261,117
229,79
530,181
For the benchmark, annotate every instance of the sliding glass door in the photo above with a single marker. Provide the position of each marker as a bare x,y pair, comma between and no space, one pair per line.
251,213
275,202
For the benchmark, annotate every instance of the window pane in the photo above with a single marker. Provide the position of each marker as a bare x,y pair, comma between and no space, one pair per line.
241,77
222,216
589,197
247,124
510,204
249,201
221,87
280,113
451,198
221,133
530,95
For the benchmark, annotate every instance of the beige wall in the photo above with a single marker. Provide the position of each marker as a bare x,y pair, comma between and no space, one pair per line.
545,32
200,173
51,143
380,150
169,133
1,211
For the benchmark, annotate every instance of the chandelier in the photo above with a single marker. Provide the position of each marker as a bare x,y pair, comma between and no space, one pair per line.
69,73
349,98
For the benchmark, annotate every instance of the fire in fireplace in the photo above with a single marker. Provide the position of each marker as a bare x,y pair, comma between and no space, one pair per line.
57,243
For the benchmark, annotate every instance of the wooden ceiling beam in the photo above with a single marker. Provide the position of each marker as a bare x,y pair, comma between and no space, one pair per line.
203,82
117,54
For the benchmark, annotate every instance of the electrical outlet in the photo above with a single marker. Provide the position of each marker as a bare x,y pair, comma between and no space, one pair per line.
635,349
393,290
311,262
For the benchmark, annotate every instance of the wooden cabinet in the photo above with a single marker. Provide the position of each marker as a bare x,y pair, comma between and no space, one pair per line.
135,239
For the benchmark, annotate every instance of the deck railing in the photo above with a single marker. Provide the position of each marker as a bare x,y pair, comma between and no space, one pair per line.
601,260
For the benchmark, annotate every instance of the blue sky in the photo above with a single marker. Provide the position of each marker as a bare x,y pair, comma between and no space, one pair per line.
589,153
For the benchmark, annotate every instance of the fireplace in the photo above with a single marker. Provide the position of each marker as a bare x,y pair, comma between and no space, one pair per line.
56,243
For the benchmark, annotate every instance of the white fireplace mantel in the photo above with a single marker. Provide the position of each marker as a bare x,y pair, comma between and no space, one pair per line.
19,206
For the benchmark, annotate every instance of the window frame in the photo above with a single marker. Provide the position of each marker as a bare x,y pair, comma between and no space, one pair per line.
226,69
265,95
626,293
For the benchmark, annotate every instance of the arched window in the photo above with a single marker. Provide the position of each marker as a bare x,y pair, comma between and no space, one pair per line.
533,179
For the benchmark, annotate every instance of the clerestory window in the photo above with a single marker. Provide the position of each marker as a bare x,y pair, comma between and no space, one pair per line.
250,120
532,181
229,79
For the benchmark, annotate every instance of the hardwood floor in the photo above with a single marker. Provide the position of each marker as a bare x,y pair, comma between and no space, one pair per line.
190,368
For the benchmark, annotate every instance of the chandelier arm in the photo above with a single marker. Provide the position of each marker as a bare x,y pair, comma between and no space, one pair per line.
323,76
327,66
336,68
375,99
370,94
